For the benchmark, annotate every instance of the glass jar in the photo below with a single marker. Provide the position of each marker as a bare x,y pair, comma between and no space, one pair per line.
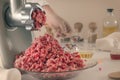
115,52
110,23
92,33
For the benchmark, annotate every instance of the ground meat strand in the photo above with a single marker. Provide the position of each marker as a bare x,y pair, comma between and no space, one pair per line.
39,18
46,55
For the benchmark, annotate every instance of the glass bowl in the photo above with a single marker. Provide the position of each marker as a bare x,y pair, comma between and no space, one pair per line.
61,75
85,52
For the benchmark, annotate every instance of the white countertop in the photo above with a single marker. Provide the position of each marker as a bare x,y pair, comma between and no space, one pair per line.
107,66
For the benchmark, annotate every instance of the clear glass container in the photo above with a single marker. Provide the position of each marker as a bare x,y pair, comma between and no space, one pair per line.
66,75
92,33
77,36
110,23
115,52
86,51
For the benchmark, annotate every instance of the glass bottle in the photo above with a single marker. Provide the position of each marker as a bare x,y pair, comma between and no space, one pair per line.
92,33
110,23
77,37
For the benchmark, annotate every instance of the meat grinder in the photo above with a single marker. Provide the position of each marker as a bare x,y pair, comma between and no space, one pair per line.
15,28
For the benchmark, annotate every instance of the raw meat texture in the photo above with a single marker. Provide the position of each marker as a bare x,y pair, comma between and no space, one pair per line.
39,18
46,55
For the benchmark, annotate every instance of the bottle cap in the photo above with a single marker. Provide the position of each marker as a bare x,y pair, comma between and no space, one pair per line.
110,10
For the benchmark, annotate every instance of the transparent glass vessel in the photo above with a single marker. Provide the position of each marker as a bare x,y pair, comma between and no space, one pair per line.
66,75
110,23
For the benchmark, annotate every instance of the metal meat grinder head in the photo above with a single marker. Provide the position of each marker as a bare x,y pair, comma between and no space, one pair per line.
15,26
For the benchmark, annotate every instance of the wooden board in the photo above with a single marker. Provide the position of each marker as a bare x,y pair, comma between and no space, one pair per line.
114,75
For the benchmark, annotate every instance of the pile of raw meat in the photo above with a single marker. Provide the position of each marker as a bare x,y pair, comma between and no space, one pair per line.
46,55
39,18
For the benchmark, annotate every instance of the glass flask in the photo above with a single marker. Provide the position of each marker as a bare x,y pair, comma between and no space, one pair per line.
110,23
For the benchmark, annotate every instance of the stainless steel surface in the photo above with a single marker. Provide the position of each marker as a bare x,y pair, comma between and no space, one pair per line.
19,14
14,38
15,5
